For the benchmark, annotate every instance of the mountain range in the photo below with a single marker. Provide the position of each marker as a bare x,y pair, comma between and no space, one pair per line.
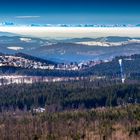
70,50
69,25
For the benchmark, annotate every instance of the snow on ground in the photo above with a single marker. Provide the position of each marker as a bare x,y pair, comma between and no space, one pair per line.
108,44
104,44
26,39
15,48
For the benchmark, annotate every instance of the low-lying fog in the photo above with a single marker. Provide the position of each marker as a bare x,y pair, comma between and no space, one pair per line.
73,32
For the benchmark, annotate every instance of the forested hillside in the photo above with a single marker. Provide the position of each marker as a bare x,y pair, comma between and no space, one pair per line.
68,95
120,123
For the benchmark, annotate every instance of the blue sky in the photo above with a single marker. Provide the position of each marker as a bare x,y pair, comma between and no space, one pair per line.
70,11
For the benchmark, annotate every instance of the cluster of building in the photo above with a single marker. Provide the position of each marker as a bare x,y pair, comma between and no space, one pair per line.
16,61
79,66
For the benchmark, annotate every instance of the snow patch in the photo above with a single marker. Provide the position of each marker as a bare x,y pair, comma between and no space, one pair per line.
108,44
26,39
16,48
104,44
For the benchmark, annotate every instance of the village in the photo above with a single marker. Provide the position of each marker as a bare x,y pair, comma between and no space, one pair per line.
21,62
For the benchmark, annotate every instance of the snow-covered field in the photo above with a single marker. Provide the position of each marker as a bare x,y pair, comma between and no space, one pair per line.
73,32
108,44
16,48
19,79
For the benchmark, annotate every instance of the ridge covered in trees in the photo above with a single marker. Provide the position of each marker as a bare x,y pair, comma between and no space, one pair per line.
122,123
68,95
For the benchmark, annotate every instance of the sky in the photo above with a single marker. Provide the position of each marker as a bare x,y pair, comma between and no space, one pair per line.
70,11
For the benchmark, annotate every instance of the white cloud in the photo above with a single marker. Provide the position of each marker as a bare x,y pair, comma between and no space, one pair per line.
23,17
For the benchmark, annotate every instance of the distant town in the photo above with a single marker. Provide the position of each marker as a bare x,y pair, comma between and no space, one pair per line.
19,61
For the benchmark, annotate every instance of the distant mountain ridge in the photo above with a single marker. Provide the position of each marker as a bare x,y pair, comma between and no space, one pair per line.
101,39
68,50
7,34
68,25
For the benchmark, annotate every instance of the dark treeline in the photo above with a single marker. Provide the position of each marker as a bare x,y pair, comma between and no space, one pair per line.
68,95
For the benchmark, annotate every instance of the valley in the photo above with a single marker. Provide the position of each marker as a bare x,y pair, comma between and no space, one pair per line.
71,50
88,85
